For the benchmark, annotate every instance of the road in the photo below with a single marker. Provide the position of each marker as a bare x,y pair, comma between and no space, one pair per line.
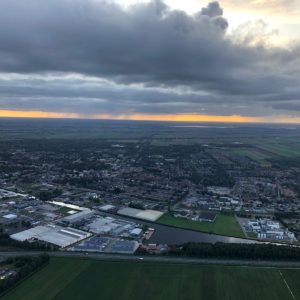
161,259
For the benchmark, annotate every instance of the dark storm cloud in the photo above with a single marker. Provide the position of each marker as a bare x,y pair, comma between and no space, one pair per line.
82,89
212,10
90,96
68,94
149,44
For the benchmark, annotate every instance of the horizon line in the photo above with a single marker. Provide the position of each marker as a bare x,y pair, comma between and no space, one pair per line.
147,120
178,118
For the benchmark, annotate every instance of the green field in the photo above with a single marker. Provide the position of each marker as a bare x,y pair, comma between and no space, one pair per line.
282,149
254,154
223,225
67,278
175,141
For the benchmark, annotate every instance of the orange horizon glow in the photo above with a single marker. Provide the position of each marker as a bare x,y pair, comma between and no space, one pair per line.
36,114
151,117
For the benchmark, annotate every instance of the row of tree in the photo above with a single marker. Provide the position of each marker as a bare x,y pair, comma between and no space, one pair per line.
7,242
238,251
24,266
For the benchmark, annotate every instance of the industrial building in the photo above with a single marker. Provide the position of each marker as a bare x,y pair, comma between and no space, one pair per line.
267,229
124,247
74,218
106,207
112,226
107,245
52,234
147,215
94,244
207,216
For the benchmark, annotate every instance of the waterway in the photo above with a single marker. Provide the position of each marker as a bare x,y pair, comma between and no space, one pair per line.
173,236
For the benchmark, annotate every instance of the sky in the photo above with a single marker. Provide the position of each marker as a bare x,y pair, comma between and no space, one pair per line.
173,60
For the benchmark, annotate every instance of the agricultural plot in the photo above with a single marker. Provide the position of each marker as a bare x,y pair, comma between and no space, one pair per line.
285,150
175,141
224,225
263,151
66,278
254,154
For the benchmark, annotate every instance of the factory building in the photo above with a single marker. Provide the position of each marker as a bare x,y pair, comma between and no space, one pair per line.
52,234
148,214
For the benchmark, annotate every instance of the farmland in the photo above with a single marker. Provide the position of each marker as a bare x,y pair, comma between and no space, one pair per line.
254,154
223,225
289,150
67,278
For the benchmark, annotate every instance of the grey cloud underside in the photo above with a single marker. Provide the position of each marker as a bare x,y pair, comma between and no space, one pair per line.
89,97
150,44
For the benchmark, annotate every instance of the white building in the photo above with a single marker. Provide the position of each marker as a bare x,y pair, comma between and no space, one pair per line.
52,234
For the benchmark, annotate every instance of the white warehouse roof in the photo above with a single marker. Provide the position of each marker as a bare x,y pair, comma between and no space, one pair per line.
148,214
10,216
106,207
78,216
52,234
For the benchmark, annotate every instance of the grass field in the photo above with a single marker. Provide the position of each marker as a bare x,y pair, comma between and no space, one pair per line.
283,149
252,235
67,278
175,141
262,151
223,225
255,155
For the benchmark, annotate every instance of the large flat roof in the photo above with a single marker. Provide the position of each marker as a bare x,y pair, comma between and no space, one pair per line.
78,216
53,234
148,214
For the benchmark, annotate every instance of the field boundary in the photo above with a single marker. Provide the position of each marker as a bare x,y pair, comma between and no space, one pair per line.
287,285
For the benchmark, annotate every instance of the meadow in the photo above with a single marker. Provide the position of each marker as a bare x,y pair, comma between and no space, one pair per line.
254,154
224,225
67,278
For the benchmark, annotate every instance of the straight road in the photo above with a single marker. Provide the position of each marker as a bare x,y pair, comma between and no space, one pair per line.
161,259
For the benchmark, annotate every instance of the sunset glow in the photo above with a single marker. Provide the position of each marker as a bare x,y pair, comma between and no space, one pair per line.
151,117
36,114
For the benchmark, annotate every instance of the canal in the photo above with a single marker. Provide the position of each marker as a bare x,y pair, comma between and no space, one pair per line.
171,235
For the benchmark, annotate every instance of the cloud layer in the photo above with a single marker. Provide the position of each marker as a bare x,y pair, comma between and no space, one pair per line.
87,56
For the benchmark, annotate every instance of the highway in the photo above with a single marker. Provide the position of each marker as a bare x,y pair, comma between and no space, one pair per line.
160,259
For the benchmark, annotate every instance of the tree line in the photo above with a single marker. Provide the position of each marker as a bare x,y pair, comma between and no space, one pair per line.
7,242
237,251
24,266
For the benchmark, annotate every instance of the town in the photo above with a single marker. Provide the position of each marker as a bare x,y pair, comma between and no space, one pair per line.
107,195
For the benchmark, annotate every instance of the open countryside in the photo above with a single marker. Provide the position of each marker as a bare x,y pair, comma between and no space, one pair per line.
68,278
